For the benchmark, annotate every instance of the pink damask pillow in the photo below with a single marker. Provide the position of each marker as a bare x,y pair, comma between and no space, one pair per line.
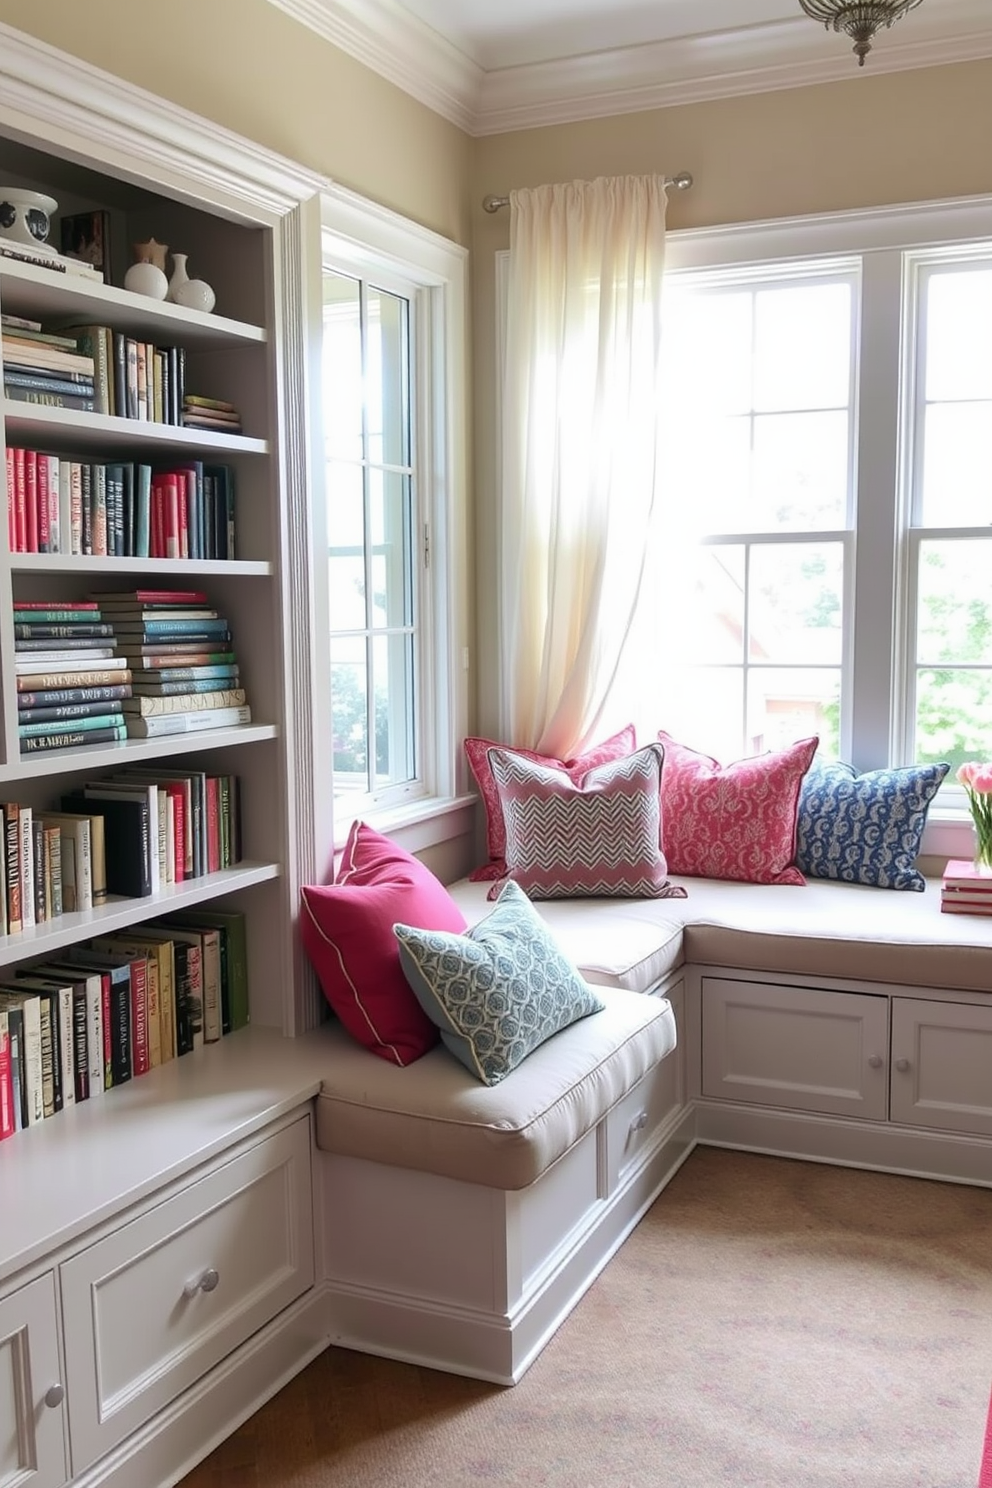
597,835
477,754
733,821
347,932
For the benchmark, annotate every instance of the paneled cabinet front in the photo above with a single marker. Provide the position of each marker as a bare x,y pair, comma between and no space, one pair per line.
942,1065
32,1432
803,1048
156,1303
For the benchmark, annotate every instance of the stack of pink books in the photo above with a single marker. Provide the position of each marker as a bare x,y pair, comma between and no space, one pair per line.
967,888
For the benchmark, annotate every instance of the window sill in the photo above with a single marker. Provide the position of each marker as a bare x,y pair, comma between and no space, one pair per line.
423,823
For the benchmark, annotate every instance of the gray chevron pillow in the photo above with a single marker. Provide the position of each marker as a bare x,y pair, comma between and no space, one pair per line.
597,836
498,991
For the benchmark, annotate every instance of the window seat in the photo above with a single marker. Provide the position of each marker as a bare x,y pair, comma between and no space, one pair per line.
834,1022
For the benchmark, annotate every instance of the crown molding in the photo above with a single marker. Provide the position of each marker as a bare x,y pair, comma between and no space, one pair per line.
690,69
399,47
90,114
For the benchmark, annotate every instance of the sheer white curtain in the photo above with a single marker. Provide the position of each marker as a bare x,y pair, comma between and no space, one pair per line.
580,446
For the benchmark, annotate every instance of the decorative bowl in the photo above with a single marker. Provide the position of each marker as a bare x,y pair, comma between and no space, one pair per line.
25,216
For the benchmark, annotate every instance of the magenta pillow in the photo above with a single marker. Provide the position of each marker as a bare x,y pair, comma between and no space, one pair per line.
477,754
733,821
595,835
347,931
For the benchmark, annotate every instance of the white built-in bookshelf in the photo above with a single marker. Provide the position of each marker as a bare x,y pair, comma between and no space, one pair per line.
227,1130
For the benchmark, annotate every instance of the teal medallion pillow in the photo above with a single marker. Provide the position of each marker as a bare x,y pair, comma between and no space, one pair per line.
866,828
499,990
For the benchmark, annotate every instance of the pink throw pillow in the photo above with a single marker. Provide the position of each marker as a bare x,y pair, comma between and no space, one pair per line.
598,835
347,931
477,754
733,821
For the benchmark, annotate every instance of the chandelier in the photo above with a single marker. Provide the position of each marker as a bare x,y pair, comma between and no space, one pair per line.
859,18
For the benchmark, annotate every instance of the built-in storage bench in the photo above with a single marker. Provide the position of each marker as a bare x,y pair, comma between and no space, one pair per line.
465,1221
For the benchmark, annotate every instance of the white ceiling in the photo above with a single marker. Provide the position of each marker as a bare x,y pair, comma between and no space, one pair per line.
494,65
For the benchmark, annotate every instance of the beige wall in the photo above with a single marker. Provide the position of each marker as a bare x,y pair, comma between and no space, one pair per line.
911,136
247,65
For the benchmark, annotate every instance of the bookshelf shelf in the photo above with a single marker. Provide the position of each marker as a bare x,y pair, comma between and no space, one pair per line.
67,428
173,569
26,289
96,757
120,913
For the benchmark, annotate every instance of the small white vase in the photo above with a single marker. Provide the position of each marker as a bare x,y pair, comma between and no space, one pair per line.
146,279
179,276
195,294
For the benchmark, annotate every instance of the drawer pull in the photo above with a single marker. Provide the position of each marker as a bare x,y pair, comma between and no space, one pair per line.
875,1062
902,1065
204,1283
54,1395
639,1122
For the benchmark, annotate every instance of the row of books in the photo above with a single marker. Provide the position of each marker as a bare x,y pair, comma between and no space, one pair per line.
44,257
94,369
101,1013
128,835
966,888
119,508
134,664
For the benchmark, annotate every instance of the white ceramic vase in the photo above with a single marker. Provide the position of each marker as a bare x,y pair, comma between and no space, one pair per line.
146,279
25,216
195,294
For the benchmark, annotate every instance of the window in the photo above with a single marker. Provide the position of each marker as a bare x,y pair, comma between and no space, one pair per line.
392,421
825,548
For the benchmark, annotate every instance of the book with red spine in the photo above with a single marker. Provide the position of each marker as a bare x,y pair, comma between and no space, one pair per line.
30,501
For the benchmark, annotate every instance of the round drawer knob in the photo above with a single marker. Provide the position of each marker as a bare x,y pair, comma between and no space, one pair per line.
902,1065
54,1396
875,1062
206,1282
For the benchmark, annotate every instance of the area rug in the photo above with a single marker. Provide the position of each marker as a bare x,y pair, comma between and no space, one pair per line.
769,1323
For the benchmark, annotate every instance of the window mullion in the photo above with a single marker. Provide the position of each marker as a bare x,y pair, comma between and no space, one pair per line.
876,629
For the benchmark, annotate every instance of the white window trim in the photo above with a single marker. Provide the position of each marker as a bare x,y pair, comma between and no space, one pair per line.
911,228
373,242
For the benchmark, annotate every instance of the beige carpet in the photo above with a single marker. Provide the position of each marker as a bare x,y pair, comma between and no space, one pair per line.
769,1323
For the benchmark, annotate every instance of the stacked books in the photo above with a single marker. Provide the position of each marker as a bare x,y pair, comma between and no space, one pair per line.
210,413
45,367
178,653
46,257
966,888
70,682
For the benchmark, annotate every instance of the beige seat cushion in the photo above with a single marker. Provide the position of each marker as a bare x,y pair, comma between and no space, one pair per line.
435,1117
824,929
630,943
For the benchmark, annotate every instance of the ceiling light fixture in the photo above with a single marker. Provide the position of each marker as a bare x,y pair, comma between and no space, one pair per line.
859,18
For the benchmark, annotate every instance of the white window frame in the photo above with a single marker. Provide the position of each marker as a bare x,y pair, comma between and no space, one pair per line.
891,242
360,238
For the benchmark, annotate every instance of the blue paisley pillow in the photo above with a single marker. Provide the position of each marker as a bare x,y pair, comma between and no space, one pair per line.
865,828
499,990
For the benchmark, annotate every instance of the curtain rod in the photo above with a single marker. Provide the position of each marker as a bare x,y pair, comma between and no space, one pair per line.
681,182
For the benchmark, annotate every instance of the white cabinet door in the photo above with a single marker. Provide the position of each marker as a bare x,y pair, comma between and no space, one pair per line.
32,1440
799,1047
942,1065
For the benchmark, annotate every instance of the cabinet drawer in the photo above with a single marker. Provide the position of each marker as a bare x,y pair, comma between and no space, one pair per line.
942,1065
32,1447
632,1124
802,1048
151,1307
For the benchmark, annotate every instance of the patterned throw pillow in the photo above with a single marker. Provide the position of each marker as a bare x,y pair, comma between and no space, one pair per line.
477,754
733,821
867,828
599,834
498,991
347,931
